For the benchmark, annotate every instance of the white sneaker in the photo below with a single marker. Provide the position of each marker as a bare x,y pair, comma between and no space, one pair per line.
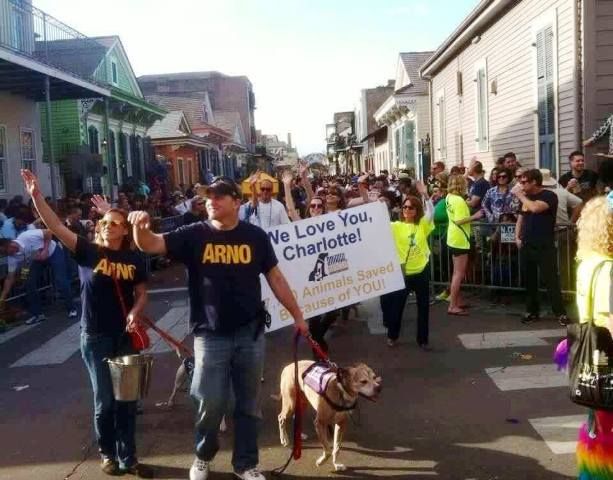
251,474
36,319
199,470
72,313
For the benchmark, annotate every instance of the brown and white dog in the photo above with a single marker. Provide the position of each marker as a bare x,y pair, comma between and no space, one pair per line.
331,409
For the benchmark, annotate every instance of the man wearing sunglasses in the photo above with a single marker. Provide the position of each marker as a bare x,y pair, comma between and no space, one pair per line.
534,233
197,211
263,210
224,259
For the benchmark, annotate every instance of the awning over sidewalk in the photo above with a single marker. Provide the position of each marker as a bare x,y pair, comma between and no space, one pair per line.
24,76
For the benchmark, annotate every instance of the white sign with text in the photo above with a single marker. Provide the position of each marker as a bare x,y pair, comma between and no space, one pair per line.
334,260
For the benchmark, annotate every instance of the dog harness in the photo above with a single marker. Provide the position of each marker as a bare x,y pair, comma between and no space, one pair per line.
317,377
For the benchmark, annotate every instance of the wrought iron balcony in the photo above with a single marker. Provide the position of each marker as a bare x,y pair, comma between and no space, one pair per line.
30,32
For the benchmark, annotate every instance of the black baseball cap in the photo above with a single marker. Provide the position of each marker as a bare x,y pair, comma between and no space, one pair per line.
224,186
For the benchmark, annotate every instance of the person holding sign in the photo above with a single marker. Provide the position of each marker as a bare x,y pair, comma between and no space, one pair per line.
411,240
224,259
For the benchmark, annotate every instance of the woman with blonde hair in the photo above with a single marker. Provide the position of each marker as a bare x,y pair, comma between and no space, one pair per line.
458,238
595,255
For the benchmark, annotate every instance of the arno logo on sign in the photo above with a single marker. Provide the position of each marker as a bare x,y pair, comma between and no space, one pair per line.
328,265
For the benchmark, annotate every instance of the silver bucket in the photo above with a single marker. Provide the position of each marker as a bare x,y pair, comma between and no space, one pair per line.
131,375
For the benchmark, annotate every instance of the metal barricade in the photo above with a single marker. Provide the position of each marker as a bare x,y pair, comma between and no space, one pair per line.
496,261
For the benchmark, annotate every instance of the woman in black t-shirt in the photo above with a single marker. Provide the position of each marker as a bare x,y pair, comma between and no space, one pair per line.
108,260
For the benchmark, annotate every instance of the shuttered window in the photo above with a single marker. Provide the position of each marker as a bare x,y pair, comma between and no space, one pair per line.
409,152
397,147
181,172
442,125
546,99
481,109
92,134
3,155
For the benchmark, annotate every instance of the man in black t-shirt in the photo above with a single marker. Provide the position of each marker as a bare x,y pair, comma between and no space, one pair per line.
535,237
579,181
224,259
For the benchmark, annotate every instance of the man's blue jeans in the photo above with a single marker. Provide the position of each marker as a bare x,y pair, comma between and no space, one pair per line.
114,422
221,361
57,262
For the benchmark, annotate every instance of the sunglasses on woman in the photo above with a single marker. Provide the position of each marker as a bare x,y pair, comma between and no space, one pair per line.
115,223
316,205
502,176
408,207
265,189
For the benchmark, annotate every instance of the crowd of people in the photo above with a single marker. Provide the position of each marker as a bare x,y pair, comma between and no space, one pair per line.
459,208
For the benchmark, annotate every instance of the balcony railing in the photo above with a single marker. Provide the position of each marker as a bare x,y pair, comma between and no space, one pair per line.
28,31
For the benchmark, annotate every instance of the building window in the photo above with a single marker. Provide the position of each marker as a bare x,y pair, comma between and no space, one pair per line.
546,99
181,172
397,146
481,92
28,151
92,135
112,148
114,73
442,125
3,155
409,144
189,172
205,113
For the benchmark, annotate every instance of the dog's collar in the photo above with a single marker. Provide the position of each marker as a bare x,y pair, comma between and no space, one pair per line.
337,407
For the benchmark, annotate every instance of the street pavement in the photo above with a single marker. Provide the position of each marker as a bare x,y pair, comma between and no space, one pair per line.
487,403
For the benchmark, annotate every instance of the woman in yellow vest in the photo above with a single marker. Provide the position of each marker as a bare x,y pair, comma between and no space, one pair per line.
458,238
411,239
595,254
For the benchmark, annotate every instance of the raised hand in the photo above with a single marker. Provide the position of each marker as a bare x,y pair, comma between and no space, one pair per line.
139,219
287,177
30,181
255,178
421,188
100,204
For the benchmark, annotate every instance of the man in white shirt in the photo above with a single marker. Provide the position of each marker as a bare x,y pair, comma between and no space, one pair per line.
264,211
30,251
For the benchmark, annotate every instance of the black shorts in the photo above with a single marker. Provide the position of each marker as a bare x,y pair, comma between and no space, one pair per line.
456,252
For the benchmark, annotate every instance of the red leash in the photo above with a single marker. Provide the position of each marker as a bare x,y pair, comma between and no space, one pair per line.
181,349
299,404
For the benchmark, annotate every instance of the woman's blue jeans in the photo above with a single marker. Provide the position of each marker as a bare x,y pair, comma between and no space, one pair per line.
114,422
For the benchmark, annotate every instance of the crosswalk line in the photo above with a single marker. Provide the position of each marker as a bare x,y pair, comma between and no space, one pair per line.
14,332
520,338
55,351
559,433
175,323
526,377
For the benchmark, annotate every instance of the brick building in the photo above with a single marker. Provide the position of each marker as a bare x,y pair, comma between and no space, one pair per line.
225,94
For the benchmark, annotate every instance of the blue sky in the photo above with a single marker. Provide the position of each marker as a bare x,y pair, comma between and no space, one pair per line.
306,58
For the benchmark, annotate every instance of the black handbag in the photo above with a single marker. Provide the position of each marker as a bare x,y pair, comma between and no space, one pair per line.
591,358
